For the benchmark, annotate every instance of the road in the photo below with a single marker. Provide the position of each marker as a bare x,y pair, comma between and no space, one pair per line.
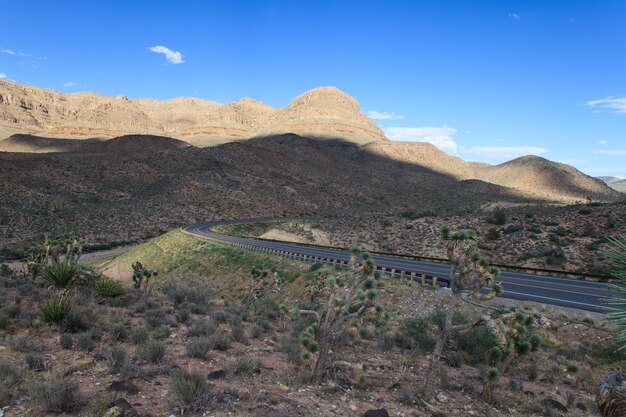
561,291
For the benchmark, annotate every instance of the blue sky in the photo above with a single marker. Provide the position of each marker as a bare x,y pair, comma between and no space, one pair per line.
485,80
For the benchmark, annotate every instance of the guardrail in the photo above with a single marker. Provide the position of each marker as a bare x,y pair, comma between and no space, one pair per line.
512,268
412,277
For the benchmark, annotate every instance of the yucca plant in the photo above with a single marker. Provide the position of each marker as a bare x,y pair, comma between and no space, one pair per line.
62,275
55,309
108,287
616,254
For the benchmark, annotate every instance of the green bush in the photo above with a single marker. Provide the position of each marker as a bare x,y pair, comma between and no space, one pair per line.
417,330
220,341
56,395
201,328
55,309
139,335
66,341
23,342
10,378
190,391
198,347
493,234
154,317
34,362
243,365
61,275
108,287
153,351
477,343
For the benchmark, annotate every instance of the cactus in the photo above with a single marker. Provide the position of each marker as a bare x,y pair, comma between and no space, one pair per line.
262,284
344,298
142,275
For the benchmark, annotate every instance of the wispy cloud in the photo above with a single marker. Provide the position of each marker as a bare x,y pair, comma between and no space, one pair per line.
173,57
441,137
383,115
2,75
70,84
611,152
612,104
573,161
514,16
602,142
613,172
495,153
8,51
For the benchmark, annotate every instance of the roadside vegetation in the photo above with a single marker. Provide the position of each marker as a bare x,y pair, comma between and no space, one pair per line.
186,326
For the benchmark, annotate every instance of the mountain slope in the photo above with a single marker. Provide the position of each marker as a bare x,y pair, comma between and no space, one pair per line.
616,183
324,112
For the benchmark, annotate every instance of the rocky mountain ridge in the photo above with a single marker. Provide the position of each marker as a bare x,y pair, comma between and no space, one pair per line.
323,112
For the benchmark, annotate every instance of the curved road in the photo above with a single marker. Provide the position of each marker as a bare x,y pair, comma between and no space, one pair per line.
567,292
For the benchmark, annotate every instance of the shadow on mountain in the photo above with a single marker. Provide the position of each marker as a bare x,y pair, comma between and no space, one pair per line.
128,188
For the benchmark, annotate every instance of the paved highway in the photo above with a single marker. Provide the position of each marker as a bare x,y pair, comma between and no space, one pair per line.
567,292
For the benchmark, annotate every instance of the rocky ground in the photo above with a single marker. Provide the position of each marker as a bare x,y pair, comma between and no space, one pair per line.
144,352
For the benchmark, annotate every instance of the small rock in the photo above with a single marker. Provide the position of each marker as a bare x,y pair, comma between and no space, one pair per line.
579,405
353,407
243,394
441,397
557,405
379,412
283,388
1,413
124,386
113,412
126,410
217,374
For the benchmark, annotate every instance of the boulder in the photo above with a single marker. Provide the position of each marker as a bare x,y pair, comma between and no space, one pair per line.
217,374
378,412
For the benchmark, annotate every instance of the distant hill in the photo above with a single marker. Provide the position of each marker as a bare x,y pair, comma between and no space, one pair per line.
616,183
324,112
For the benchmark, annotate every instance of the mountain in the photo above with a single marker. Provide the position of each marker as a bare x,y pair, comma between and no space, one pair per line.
616,183
324,112
533,176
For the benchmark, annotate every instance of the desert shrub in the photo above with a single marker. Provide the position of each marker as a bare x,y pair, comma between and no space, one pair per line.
66,340
56,395
198,347
584,210
84,340
22,342
143,304
34,362
493,234
153,351
417,331
220,340
534,228
513,228
256,331
75,321
264,323
455,359
290,345
4,322
11,311
532,372
181,292
108,287
239,334
54,310
190,391
182,315
267,308
61,275
154,317
10,378
499,216
243,365
477,343
316,266
608,352
202,328
139,335
117,331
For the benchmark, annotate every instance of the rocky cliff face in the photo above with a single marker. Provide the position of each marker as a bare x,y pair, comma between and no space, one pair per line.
324,112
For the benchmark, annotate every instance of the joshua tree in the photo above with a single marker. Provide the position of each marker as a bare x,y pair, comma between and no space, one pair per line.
142,275
262,284
351,296
611,393
514,337
470,273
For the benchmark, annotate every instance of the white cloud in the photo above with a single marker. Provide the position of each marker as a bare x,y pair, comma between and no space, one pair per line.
504,152
2,75
19,53
7,51
613,172
514,16
173,57
70,84
602,142
383,115
611,152
441,137
573,161
613,104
